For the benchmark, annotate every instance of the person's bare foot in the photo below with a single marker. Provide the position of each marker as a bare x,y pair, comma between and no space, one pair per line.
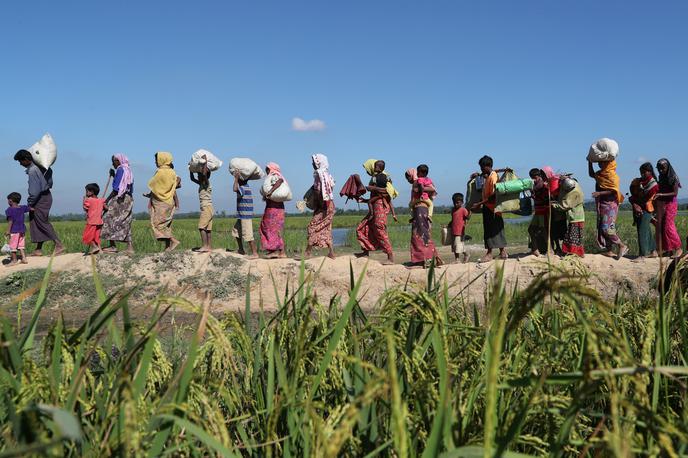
484,259
678,253
503,255
36,253
535,253
59,250
203,250
362,254
608,254
24,261
174,243
110,250
253,256
387,262
466,258
623,251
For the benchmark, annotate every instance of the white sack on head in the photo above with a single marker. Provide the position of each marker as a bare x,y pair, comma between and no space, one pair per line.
44,151
248,169
197,162
603,150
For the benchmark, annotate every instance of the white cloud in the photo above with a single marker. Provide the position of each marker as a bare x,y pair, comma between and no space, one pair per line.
301,125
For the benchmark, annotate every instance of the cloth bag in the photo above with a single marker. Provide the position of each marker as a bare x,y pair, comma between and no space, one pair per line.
248,169
519,185
281,194
309,198
603,150
44,152
197,162
473,193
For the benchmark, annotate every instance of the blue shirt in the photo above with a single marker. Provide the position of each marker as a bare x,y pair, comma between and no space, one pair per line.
244,202
16,214
118,179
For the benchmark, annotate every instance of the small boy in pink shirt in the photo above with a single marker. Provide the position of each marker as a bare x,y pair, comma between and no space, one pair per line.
94,207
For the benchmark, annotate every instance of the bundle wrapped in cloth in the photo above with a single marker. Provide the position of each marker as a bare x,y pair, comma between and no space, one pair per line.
200,158
508,202
518,185
247,168
603,150
44,152
474,191
281,194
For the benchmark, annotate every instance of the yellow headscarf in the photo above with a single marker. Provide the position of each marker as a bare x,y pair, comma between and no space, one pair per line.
369,167
608,180
164,182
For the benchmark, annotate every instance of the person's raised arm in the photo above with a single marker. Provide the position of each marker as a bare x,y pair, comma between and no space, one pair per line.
193,178
277,184
591,170
236,181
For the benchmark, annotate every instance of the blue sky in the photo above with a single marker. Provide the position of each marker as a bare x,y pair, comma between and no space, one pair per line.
530,83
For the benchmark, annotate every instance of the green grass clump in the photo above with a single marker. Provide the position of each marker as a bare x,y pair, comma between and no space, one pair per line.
552,369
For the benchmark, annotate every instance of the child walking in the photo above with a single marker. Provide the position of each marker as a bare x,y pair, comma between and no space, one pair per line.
16,229
243,229
205,197
94,207
460,216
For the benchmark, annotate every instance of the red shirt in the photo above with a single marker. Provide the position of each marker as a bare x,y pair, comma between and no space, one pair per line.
93,206
458,221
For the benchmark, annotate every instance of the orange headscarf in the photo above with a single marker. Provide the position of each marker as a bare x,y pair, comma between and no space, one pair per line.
608,180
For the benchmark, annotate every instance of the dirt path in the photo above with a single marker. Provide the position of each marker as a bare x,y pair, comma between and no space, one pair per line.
225,275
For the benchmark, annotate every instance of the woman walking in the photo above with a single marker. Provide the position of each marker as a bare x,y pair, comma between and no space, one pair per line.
163,187
643,192
607,197
668,239
120,206
372,230
422,248
40,200
320,227
272,224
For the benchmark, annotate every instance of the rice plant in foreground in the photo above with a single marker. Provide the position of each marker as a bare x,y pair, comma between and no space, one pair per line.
554,369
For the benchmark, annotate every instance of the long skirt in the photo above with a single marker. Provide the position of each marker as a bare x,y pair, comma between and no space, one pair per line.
667,235
538,232
646,241
320,227
607,211
271,227
161,215
372,233
422,246
39,219
573,239
493,229
117,220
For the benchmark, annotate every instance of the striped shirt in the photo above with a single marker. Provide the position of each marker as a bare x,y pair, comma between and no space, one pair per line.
244,202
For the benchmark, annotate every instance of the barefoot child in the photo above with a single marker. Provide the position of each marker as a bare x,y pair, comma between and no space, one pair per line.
94,207
16,229
205,197
243,229
460,216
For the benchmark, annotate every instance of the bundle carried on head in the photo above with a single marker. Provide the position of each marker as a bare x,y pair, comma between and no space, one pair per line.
247,168
44,152
283,191
201,158
603,150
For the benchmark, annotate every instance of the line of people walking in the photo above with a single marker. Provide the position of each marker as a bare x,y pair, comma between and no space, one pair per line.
557,224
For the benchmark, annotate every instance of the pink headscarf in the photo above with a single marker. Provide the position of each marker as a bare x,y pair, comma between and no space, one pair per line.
274,169
552,180
413,173
549,172
127,177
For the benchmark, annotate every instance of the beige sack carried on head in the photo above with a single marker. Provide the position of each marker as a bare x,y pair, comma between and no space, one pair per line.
603,150
44,151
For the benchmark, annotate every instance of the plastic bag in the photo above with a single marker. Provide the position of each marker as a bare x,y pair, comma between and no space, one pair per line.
473,194
197,162
44,151
281,194
603,150
6,249
447,236
248,169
